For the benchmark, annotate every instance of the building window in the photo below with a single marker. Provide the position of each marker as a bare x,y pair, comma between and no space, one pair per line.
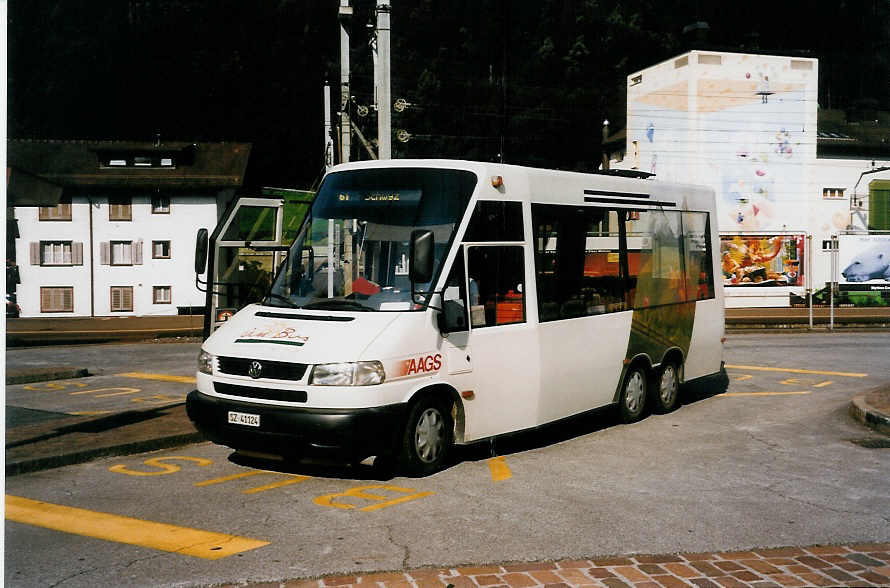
710,59
121,253
160,204
56,253
161,295
120,208
833,193
121,298
59,212
160,249
56,299
132,160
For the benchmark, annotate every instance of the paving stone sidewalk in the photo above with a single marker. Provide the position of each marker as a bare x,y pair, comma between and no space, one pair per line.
865,564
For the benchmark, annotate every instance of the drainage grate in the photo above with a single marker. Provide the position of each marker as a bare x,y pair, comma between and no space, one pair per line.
872,443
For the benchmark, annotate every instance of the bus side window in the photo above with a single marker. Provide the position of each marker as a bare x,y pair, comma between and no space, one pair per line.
498,272
454,297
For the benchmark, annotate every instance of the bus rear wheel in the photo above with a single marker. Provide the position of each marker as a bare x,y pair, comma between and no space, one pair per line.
428,437
666,388
632,401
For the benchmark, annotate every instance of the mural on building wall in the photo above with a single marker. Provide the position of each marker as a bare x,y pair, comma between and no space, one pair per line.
762,260
864,262
743,134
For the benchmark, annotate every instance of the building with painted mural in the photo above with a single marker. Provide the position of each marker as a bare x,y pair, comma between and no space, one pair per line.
747,126
108,228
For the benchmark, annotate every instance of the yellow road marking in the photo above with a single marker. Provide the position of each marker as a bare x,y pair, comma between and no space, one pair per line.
823,384
499,469
743,377
52,386
89,412
292,479
361,493
766,393
229,478
124,393
162,377
124,388
100,525
796,371
162,465
295,479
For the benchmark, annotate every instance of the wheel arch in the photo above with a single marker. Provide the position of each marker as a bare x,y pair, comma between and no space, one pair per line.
442,390
641,360
674,355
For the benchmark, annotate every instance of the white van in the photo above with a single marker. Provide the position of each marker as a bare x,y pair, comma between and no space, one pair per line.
426,303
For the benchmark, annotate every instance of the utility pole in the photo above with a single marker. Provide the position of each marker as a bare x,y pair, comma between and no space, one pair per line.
328,141
382,79
345,17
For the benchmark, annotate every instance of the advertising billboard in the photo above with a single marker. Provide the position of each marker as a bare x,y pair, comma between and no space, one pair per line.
864,262
762,260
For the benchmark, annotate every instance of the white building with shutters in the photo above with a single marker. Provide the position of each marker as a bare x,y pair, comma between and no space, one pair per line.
121,239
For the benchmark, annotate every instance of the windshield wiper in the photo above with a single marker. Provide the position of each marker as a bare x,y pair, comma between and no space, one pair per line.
284,299
337,305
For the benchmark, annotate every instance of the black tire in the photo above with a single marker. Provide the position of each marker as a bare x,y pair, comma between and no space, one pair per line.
632,400
428,437
666,388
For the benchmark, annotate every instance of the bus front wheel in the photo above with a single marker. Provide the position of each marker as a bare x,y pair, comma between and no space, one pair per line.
633,394
428,437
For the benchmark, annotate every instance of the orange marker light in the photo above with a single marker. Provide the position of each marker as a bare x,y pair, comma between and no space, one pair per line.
468,394
497,181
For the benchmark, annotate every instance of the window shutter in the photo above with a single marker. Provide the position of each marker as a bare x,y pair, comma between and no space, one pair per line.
77,253
115,299
104,253
46,299
35,253
127,298
137,253
68,299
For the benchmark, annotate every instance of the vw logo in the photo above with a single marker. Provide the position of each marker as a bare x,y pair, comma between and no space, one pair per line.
255,370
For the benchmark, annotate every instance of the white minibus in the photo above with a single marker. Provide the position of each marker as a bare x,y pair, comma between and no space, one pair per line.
428,303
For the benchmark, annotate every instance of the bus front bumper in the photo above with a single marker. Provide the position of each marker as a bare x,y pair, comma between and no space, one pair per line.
350,434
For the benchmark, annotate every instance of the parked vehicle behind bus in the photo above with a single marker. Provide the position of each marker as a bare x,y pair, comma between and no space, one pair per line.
428,303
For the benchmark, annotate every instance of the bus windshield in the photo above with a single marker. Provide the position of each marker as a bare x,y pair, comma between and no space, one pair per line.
353,248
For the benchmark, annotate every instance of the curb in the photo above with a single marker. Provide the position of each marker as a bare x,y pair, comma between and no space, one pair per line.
56,461
30,375
865,414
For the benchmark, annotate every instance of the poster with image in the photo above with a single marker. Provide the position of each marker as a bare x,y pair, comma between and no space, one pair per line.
762,260
864,262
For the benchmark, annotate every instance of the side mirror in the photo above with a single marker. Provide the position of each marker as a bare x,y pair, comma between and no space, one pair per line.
421,254
201,251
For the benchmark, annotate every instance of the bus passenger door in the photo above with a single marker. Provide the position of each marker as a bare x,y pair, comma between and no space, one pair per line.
244,252
496,356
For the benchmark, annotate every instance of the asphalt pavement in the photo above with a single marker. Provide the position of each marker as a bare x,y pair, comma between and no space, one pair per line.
38,440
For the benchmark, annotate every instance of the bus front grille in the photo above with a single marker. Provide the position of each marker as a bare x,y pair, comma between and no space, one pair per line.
274,370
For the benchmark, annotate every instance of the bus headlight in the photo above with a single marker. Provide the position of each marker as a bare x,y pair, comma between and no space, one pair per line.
360,373
205,363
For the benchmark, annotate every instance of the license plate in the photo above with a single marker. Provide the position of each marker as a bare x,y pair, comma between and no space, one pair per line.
244,418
